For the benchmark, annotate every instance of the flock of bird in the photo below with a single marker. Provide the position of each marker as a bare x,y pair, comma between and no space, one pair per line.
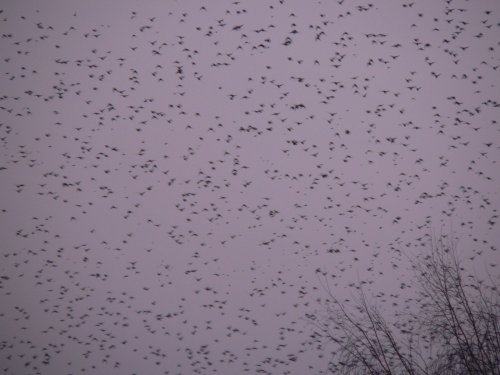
177,177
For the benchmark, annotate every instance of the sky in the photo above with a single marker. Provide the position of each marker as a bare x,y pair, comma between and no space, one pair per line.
177,177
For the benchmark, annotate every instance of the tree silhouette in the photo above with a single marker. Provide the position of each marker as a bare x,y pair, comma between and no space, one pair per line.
454,328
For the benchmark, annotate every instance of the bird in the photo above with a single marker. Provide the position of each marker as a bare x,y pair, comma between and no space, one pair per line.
179,184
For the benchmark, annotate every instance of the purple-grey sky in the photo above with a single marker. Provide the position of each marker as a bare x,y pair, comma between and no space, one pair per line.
173,173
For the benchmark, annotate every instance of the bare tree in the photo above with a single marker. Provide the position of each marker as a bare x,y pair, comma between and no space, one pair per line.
455,330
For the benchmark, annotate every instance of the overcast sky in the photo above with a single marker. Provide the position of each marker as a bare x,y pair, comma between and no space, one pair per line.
174,174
